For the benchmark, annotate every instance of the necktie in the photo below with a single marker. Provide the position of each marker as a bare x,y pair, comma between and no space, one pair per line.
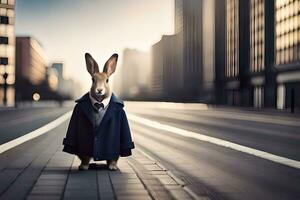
98,106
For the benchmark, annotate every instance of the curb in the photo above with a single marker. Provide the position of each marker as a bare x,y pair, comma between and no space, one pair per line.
172,175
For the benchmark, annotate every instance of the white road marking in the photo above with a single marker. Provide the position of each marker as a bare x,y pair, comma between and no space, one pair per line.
40,131
217,141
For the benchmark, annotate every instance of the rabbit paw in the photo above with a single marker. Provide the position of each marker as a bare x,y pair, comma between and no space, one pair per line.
83,167
112,165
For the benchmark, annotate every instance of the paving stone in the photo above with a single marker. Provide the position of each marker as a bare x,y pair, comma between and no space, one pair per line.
43,197
168,181
130,186
51,182
126,181
81,194
53,176
51,190
135,197
130,192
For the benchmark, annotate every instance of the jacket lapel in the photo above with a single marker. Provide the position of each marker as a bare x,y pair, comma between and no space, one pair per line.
86,107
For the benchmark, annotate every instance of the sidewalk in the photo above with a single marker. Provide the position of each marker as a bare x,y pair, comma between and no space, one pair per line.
38,169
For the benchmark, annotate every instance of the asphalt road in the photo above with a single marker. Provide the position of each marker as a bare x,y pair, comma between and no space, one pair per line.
17,122
217,171
208,169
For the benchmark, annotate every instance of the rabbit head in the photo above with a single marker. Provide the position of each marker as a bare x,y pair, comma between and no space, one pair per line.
100,85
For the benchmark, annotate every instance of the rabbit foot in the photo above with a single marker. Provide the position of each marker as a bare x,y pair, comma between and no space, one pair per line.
112,165
83,167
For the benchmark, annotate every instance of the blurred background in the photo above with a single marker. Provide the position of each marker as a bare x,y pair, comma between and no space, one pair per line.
224,52
212,90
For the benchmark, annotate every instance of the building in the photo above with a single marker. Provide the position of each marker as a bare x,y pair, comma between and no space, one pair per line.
167,72
262,53
66,88
52,78
134,74
59,66
30,67
184,63
7,52
188,27
287,53
30,60
237,52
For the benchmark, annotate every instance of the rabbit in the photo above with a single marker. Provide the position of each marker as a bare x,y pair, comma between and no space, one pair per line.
100,90
98,127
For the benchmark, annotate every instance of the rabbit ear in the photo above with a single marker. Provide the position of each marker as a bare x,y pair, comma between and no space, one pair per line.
110,65
91,64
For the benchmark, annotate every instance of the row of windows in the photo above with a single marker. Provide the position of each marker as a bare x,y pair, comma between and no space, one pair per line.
232,44
257,32
287,31
7,16
3,40
287,36
6,30
288,40
258,23
289,55
289,9
7,51
8,2
287,25
258,35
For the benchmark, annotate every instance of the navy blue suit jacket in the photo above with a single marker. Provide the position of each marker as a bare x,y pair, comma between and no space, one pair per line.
111,139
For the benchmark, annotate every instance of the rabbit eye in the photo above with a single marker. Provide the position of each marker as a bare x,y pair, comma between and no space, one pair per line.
93,80
106,80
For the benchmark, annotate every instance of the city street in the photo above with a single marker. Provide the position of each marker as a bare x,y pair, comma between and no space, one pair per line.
168,142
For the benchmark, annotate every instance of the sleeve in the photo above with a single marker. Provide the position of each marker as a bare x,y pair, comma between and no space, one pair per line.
70,141
126,141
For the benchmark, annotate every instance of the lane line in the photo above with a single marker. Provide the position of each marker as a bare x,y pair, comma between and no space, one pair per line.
33,134
216,141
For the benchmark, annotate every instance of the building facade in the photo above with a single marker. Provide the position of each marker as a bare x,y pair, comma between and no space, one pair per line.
167,72
30,67
133,78
184,63
7,52
287,53
262,53
189,26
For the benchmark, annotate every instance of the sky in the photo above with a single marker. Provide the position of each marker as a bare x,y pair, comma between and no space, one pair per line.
69,28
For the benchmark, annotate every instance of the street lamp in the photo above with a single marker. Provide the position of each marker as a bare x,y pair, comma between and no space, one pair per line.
5,75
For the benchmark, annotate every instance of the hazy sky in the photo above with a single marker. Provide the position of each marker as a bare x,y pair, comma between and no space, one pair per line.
69,28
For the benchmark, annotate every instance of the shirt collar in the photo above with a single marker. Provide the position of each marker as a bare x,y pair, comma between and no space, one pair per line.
105,101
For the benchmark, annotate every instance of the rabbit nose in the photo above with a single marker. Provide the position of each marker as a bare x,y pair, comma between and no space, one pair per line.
99,91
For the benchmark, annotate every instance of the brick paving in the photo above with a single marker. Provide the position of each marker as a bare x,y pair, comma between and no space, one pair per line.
38,170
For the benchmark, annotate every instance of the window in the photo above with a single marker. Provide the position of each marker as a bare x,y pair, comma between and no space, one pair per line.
257,31
11,2
232,37
3,61
3,40
3,19
4,1
287,31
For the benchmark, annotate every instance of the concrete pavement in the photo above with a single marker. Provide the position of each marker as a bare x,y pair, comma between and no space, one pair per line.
38,169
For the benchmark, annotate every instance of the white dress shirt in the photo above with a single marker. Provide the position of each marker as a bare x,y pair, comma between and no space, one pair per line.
99,112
